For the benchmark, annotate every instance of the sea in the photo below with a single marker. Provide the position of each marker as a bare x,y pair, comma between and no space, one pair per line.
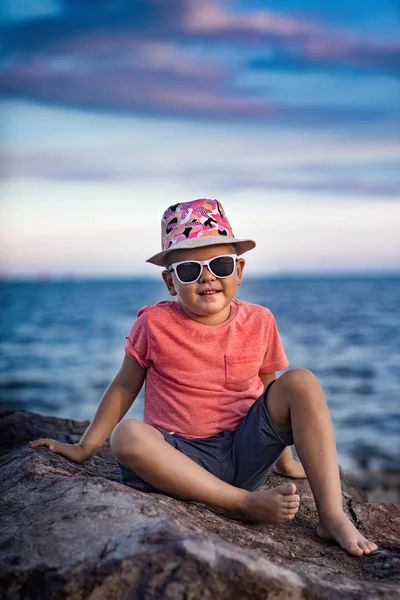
62,342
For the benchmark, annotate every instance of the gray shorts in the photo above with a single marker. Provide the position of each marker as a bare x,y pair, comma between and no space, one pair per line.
242,458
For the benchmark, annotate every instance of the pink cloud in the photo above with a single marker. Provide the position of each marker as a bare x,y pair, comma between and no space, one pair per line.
309,39
134,76
160,69
209,16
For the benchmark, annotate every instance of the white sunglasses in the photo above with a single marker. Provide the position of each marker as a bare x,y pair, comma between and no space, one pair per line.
189,271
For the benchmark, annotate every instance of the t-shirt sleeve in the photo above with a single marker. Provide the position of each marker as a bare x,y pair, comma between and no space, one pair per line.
138,341
275,358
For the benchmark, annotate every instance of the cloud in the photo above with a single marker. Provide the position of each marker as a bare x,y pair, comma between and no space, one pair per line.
297,40
152,57
347,187
149,79
335,56
211,18
363,169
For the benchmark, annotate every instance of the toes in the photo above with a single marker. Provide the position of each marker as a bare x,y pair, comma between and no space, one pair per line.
286,517
291,504
286,509
289,513
288,489
290,516
372,546
367,547
291,498
353,548
364,546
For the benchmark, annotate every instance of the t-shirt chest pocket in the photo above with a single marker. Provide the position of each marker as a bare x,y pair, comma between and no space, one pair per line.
240,371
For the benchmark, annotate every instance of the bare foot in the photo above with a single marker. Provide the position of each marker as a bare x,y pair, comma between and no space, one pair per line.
293,469
342,530
276,505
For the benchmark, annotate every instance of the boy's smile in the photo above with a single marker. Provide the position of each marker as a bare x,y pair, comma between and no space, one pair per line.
208,299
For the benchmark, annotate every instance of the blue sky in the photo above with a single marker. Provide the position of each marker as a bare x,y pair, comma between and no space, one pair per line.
288,112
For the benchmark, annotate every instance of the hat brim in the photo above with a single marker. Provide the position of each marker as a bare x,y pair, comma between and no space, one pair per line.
241,246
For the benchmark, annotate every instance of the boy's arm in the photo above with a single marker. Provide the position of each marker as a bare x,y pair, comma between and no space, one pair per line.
115,403
285,465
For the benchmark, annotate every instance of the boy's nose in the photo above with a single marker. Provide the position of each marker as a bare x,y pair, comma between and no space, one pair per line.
206,275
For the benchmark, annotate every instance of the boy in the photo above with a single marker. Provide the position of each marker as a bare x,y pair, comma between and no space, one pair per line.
216,418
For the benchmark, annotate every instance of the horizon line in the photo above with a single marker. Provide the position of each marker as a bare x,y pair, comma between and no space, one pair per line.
87,277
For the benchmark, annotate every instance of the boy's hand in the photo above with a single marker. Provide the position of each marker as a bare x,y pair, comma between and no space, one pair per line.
73,452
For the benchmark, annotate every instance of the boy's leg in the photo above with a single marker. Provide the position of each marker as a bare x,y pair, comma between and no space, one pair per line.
143,449
296,403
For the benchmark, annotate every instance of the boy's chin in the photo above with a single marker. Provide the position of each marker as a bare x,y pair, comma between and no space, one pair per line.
206,309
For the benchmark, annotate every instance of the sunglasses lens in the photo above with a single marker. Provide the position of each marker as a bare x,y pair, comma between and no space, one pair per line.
222,266
188,271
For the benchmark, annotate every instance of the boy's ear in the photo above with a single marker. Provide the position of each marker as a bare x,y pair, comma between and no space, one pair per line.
239,270
167,276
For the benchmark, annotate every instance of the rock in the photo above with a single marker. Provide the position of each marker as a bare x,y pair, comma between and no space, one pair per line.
75,532
378,485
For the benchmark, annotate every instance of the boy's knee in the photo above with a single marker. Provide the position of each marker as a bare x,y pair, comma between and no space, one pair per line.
300,381
124,436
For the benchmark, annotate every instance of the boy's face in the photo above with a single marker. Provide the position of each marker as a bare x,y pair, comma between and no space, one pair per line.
210,309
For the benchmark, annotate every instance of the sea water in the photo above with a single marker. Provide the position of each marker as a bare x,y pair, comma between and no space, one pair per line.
61,343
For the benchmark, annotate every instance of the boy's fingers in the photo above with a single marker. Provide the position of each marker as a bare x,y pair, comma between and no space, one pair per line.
71,451
37,442
42,442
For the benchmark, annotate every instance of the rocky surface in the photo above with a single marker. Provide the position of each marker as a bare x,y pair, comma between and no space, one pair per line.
70,531
379,485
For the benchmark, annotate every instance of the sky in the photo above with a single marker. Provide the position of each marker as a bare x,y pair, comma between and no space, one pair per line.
112,110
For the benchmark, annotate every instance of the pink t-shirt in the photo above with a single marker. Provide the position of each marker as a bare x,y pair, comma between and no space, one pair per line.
202,379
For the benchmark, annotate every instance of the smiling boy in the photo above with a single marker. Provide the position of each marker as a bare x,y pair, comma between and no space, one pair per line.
216,418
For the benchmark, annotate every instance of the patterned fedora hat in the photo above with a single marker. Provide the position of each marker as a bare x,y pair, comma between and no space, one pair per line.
196,224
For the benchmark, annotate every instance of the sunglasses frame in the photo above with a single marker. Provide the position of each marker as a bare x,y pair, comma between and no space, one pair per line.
202,263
